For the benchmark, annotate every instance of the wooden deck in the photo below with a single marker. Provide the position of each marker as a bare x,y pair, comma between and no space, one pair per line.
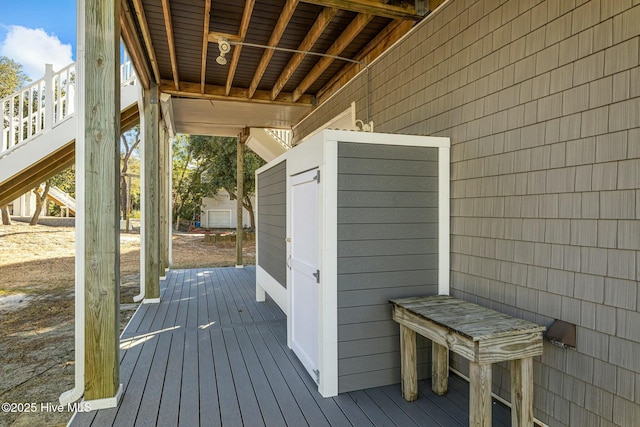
209,355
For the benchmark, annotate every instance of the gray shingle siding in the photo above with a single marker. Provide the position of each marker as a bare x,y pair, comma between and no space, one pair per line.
272,221
541,100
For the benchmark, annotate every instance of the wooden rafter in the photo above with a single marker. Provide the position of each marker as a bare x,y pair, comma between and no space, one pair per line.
314,33
235,58
375,48
370,7
146,35
192,90
136,52
205,44
214,36
354,28
238,84
166,11
278,31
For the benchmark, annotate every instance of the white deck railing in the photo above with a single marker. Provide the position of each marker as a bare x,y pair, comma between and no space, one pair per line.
44,104
283,136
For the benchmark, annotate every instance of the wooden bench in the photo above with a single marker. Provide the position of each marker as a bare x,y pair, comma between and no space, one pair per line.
482,336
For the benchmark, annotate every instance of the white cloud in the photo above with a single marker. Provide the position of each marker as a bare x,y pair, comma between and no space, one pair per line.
33,47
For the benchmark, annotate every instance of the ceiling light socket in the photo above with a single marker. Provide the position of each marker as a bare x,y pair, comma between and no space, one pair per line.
224,46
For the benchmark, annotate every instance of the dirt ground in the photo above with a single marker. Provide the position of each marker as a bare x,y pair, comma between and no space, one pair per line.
37,310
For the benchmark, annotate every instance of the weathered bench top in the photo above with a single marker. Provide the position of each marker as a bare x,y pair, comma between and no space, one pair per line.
471,320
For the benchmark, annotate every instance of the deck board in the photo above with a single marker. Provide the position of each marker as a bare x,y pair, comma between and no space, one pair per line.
301,393
208,354
190,390
148,411
292,413
209,413
229,407
271,413
169,409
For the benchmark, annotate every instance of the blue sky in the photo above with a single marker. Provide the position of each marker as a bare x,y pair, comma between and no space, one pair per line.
20,40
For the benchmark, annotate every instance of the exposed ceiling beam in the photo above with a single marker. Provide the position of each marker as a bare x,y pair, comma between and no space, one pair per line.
235,57
166,11
134,48
371,51
354,28
370,7
192,90
205,45
278,31
146,35
214,36
314,33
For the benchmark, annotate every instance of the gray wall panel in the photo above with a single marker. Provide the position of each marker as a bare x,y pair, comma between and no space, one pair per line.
383,151
272,221
360,331
376,199
384,167
390,231
364,297
387,183
367,264
387,248
382,279
382,216
370,378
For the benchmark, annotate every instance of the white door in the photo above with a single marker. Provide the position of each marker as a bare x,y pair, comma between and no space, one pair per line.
305,276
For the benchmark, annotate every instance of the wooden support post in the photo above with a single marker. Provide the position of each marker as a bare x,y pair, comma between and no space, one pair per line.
239,192
522,392
479,395
162,196
169,207
167,200
439,369
408,367
151,221
101,117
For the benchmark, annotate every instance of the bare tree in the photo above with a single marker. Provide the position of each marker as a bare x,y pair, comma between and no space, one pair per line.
6,218
41,196
125,190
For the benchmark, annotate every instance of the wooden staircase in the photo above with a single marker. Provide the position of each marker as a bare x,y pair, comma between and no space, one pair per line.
38,137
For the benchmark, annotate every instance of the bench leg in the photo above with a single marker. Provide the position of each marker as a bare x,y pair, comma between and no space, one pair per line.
479,395
439,369
408,364
522,392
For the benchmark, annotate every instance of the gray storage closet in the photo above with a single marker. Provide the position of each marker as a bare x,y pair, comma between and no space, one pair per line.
346,221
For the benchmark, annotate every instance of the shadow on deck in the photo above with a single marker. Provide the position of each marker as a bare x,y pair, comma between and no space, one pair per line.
210,355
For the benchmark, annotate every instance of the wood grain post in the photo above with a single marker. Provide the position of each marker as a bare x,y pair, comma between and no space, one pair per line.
479,395
151,190
167,200
239,192
439,369
522,392
101,207
162,196
408,364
